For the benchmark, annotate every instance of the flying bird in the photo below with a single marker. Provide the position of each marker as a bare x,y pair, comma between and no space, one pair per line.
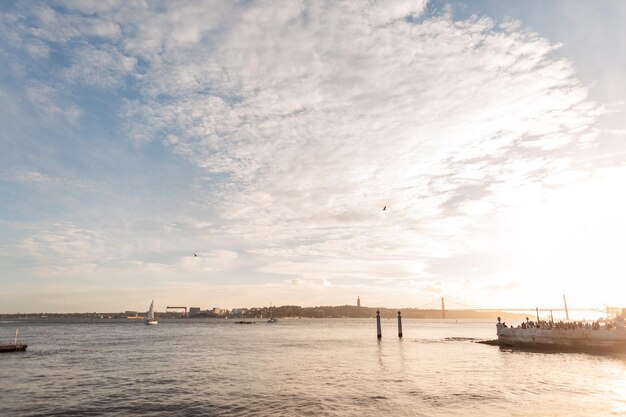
384,208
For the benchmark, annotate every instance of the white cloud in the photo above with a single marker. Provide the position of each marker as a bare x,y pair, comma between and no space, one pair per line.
213,261
311,117
48,100
64,243
321,128
311,283
32,177
99,67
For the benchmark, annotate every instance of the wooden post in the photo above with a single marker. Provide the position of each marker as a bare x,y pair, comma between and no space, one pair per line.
537,308
399,325
443,309
551,317
379,333
566,312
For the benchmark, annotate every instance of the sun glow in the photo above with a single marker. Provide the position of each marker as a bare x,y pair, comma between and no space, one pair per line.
571,242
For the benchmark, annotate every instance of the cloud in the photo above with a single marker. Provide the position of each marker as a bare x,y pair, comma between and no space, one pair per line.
97,67
311,283
32,177
49,100
213,261
64,244
308,118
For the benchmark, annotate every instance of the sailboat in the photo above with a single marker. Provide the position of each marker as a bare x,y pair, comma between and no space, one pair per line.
150,317
272,319
13,347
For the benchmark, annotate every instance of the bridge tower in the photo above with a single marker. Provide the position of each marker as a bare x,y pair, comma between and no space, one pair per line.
443,309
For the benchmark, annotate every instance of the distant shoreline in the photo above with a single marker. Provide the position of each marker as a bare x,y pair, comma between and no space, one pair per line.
345,311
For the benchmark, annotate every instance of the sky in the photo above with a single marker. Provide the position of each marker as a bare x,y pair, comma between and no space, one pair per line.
266,137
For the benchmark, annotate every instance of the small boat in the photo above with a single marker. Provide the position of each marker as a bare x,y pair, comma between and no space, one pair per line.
150,316
13,347
272,319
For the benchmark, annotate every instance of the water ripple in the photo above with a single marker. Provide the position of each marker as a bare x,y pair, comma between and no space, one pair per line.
295,368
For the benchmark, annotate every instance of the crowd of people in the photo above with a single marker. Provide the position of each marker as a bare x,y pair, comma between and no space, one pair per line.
561,325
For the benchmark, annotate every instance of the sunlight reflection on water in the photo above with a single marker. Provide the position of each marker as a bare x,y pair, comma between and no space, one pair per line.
296,367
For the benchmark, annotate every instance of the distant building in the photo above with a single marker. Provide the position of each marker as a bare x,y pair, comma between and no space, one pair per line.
239,311
358,301
194,310
217,310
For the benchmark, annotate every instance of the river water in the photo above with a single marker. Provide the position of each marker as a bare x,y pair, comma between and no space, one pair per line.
296,367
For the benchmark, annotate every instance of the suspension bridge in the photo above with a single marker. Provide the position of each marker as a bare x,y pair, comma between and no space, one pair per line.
447,304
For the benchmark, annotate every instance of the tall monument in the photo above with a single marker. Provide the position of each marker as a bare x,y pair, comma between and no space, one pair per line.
358,301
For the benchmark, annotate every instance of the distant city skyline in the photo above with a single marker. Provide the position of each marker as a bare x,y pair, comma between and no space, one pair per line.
239,154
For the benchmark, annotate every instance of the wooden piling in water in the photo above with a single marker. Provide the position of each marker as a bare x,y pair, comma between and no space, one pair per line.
399,325
379,332
443,309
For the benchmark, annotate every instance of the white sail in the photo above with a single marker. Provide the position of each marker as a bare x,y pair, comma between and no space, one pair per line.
151,311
